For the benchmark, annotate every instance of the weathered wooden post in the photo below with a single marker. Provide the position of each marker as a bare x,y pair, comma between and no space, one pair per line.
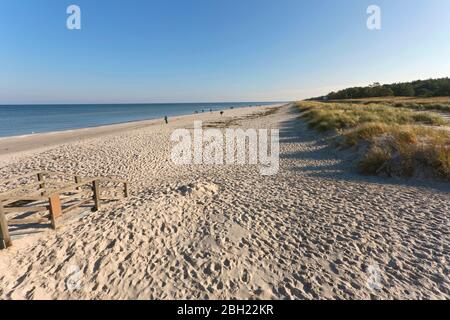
40,177
55,209
96,190
78,180
125,189
5,240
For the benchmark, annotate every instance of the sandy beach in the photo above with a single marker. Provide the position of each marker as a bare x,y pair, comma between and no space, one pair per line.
314,230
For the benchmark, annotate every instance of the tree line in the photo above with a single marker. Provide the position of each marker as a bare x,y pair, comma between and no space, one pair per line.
419,88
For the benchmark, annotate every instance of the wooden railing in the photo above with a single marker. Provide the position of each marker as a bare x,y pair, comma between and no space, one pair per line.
46,201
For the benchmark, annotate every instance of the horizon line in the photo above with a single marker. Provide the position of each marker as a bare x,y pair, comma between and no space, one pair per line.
133,103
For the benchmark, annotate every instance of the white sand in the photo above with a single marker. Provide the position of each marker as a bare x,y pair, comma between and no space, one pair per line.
315,230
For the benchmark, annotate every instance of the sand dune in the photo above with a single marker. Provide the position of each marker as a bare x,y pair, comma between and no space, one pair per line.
314,230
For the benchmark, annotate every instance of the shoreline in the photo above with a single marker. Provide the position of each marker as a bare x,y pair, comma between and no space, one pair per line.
26,143
148,117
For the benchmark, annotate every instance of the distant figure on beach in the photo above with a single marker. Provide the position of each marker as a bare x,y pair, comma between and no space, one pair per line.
221,113
210,110
166,119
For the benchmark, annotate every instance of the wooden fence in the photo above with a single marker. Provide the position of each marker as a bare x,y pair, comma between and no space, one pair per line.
43,200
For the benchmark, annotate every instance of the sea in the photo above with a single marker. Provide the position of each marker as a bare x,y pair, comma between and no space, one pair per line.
20,120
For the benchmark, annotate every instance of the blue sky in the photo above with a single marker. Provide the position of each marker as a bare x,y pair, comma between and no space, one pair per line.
214,50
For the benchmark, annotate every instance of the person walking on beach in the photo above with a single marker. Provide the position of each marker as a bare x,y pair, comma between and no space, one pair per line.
166,119
221,113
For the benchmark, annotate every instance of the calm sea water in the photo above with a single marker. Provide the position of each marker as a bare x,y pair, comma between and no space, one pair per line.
28,119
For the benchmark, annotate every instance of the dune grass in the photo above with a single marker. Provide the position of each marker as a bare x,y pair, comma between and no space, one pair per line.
388,140
431,104
418,106
336,116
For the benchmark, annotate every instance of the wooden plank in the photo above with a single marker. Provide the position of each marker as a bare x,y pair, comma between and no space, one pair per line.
5,239
33,184
49,188
76,205
13,222
24,209
72,187
9,202
25,189
23,198
76,196
55,209
34,173
96,197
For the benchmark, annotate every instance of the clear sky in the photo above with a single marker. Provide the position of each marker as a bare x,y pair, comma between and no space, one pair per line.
214,50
